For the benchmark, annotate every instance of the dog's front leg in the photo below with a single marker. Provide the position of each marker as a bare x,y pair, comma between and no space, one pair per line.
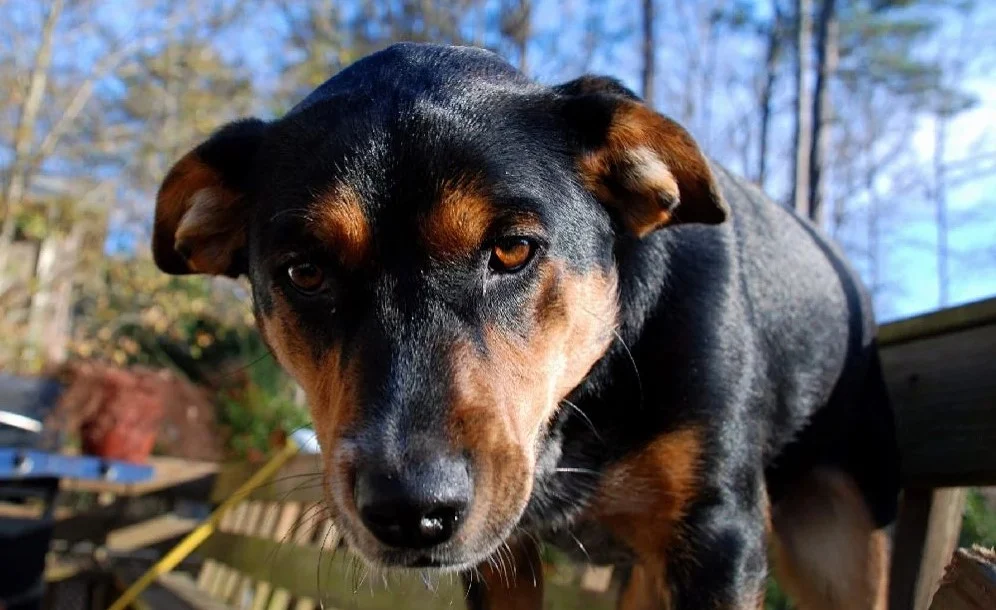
696,527
512,579
723,568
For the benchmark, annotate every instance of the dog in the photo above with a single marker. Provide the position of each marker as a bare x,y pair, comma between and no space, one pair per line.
524,312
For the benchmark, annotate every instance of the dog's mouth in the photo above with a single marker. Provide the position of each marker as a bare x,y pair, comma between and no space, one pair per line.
488,520
439,560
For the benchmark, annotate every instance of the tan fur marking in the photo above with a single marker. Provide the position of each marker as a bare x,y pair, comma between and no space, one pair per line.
826,551
338,218
330,383
648,171
195,213
652,172
643,498
503,399
457,224
645,590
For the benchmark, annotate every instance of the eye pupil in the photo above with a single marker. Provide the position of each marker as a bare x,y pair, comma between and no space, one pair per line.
306,277
511,254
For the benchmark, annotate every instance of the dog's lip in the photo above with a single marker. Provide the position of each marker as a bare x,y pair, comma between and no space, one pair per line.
422,560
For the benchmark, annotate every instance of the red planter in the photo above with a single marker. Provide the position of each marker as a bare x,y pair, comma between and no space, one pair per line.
124,414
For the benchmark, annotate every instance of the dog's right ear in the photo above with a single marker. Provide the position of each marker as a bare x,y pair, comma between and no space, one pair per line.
642,166
201,215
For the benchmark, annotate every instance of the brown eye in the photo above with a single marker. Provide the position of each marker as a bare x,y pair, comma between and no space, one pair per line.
306,277
511,254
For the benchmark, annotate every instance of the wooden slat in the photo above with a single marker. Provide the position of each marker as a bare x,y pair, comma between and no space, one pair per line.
190,592
147,533
307,522
261,595
250,520
229,584
283,529
596,578
328,535
944,389
32,511
280,600
945,321
207,579
298,572
231,517
218,583
268,520
926,535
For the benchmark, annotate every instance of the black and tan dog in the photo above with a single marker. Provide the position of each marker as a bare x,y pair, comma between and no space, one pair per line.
525,312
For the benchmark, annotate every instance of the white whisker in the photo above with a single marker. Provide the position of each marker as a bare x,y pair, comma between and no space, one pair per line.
576,470
584,416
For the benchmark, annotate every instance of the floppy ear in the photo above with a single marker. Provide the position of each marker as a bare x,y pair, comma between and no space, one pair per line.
201,215
642,165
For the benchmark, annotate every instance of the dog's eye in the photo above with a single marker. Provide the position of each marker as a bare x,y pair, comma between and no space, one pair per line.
306,277
511,254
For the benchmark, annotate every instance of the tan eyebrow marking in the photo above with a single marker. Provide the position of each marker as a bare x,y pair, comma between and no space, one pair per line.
338,218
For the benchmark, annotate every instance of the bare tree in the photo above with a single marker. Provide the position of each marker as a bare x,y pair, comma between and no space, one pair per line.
775,36
649,52
516,27
826,67
803,108
17,174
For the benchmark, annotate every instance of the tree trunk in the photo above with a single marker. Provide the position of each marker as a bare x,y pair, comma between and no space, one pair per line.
17,185
516,25
649,52
826,62
803,108
767,92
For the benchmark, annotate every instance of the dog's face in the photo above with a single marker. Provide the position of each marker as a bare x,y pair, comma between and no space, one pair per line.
430,241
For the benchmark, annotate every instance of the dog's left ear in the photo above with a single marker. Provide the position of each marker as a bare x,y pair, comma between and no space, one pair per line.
645,167
201,208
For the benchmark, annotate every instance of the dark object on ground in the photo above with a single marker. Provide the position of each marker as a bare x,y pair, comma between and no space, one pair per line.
30,397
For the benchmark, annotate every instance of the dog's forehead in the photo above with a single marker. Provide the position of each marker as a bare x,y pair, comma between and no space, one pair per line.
420,132
413,70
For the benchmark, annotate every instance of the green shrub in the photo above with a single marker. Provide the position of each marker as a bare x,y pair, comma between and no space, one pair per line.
979,525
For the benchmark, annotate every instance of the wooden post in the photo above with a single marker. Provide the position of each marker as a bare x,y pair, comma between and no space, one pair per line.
926,535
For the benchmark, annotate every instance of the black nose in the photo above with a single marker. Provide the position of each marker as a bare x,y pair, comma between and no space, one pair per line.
417,508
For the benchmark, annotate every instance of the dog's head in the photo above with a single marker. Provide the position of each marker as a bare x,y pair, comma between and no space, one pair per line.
430,241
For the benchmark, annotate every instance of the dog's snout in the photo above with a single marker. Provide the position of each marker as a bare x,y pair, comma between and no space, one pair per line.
418,507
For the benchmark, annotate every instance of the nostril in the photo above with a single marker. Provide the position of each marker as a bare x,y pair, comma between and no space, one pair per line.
440,523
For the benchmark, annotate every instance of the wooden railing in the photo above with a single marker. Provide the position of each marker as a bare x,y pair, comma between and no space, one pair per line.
941,372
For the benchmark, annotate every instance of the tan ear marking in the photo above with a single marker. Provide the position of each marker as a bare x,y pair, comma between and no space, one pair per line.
201,218
648,170
651,172
198,226
210,231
